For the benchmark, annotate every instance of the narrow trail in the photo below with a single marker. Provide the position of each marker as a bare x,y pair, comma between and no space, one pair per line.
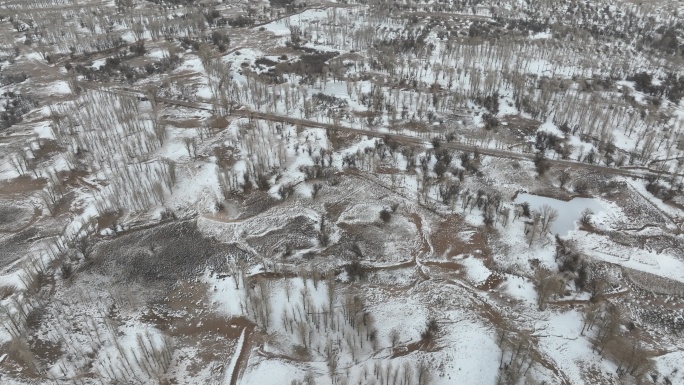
424,249
239,363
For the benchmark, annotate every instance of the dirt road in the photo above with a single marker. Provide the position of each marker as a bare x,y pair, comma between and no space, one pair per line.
245,113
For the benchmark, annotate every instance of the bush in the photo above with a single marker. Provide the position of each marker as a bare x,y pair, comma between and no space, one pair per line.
581,187
266,62
286,191
586,217
491,122
525,209
67,270
6,79
138,49
241,21
490,102
15,106
262,182
541,163
385,215
431,329
440,168
355,271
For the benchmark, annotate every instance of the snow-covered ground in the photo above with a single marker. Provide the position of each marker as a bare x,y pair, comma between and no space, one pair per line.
317,255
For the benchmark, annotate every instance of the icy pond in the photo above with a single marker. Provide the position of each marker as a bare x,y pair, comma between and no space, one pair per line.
568,212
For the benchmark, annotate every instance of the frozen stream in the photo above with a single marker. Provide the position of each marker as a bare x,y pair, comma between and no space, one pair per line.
568,212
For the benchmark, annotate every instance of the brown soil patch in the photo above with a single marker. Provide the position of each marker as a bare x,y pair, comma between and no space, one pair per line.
188,123
340,139
189,314
334,210
447,265
422,345
108,219
488,312
450,269
596,376
415,126
216,325
36,214
219,123
64,206
222,216
387,170
445,241
72,178
22,184
47,148
277,356
47,351
520,124
14,362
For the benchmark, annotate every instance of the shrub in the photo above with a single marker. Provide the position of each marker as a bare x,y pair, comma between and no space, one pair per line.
355,270
586,216
440,168
262,182
525,209
67,270
431,329
541,163
385,215
581,187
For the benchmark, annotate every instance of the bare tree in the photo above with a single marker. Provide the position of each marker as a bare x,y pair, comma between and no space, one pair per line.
608,327
190,146
332,359
547,284
581,186
236,269
315,188
564,177
532,228
589,316
287,286
548,216
586,216
85,246
138,29
394,337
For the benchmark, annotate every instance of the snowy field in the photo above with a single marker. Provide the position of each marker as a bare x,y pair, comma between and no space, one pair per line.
340,193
